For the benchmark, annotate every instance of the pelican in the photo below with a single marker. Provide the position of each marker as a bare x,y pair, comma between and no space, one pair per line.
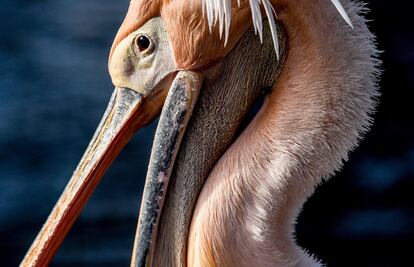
225,184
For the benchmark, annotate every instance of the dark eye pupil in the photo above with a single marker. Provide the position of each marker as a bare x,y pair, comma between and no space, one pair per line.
143,43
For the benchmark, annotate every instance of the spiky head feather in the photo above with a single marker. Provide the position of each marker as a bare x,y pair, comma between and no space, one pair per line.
219,11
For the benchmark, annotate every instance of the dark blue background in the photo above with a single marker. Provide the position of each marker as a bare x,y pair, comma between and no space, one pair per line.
54,88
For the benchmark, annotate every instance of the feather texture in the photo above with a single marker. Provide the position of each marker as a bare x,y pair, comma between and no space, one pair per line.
219,11
315,114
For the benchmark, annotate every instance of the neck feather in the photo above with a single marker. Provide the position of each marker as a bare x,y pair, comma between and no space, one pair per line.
313,118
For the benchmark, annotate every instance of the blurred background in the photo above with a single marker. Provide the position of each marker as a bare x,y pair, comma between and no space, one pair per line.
54,87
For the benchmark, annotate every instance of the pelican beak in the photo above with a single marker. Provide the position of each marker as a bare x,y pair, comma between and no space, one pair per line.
173,122
127,111
143,83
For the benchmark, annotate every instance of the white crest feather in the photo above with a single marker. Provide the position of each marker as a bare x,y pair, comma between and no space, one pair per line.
342,11
220,11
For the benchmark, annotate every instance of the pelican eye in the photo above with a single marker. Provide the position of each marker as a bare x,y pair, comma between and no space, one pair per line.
144,44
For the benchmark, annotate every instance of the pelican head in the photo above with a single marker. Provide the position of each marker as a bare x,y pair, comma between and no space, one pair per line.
164,62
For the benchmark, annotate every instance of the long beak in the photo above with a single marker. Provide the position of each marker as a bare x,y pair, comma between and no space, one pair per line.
126,113
173,122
